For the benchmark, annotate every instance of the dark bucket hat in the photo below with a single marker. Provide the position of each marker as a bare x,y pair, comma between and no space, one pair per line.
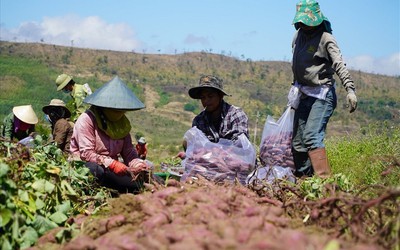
208,81
115,94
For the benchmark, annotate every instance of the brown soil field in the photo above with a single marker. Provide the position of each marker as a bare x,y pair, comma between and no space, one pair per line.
202,215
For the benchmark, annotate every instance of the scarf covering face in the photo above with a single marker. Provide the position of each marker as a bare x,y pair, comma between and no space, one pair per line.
115,130
20,125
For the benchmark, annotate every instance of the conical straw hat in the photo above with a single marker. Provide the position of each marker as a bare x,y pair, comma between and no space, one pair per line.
26,114
115,94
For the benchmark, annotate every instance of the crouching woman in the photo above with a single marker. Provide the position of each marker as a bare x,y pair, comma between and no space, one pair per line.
102,136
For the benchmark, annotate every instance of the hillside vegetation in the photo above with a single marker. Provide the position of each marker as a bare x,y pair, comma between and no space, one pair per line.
28,73
49,202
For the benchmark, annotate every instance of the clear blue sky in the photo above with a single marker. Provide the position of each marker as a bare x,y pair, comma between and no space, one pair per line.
368,32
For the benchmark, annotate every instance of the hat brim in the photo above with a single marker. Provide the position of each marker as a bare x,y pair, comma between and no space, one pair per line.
65,83
67,112
307,21
26,114
116,95
195,91
62,86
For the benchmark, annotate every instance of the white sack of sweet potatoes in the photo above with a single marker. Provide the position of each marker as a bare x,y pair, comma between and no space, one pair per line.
276,141
219,162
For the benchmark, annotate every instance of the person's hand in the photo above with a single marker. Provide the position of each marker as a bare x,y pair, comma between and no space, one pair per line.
181,155
138,165
33,134
351,101
118,167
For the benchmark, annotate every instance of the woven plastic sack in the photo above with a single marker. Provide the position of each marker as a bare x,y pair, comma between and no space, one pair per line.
218,162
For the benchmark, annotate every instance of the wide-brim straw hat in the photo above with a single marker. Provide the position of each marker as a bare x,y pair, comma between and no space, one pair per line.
309,13
115,94
208,81
25,113
57,103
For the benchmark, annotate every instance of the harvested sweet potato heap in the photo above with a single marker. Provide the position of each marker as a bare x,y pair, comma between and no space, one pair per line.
199,215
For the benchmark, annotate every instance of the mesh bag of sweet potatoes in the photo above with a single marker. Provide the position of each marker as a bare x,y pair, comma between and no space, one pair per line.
219,162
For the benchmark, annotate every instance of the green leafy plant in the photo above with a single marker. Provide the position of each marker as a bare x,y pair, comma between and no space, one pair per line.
40,190
316,187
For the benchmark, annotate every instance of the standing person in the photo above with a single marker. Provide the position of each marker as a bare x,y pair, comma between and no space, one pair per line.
78,93
219,119
102,135
316,58
20,123
141,148
57,114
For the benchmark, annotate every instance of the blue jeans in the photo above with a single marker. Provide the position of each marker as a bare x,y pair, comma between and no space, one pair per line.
310,121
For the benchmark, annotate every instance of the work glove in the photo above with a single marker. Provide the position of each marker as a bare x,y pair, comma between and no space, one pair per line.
181,155
351,100
118,167
138,165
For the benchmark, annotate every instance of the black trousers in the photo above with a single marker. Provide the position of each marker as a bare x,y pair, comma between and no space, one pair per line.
121,183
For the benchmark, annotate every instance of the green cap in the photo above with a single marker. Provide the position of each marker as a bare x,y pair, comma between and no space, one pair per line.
62,81
309,13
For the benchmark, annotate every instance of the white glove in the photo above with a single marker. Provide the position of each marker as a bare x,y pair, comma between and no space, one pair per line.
351,100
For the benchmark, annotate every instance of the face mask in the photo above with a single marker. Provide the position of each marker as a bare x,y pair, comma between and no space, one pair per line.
113,114
308,32
47,117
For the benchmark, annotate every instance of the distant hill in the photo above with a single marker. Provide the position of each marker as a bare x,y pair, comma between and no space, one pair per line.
28,73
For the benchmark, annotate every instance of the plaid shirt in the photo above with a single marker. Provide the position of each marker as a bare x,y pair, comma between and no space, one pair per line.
233,123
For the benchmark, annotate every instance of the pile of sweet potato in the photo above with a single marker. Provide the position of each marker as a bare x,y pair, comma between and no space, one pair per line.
217,165
196,215
276,150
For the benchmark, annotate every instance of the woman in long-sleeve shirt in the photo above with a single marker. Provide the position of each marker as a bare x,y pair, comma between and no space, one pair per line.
316,58
102,136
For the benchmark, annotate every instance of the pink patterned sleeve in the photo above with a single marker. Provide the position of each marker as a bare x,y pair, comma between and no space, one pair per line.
85,136
129,152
